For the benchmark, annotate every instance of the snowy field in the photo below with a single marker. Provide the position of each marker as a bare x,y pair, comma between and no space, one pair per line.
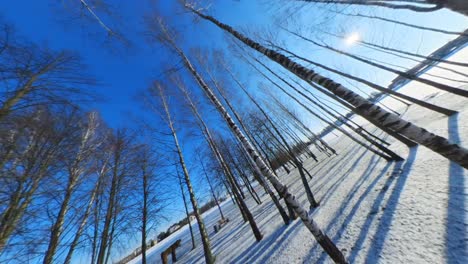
375,211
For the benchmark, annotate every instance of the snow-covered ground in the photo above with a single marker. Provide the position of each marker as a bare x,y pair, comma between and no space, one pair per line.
375,211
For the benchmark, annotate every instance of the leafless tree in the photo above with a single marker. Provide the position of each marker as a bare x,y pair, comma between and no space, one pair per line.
458,6
366,108
215,148
324,241
152,201
77,168
32,75
158,90
35,142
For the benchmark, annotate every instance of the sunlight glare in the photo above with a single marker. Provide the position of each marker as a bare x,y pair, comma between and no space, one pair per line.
352,38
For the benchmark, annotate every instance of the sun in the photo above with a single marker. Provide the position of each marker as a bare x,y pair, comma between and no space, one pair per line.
352,38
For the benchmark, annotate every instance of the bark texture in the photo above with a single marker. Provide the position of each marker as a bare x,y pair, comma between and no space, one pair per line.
420,135
311,225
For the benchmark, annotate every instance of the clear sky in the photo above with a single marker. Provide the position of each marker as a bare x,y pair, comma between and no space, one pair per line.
122,72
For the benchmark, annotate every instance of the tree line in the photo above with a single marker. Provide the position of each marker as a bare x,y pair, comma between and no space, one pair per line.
82,186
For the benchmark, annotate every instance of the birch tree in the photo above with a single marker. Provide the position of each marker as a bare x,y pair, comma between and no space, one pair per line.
375,86
209,257
459,6
32,75
76,169
39,141
284,142
100,170
147,162
322,239
222,162
406,75
367,109
212,190
187,214
115,199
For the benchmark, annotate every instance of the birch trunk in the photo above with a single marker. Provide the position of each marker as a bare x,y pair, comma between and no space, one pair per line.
406,75
405,140
459,6
209,257
105,240
246,214
390,153
313,203
274,199
377,87
212,190
75,173
186,211
322,239
83,222
420,135
144,217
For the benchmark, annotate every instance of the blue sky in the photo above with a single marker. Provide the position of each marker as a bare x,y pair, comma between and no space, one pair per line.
123,73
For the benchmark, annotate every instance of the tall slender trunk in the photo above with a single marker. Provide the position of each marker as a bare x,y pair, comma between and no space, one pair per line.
342,117
209,257
285,217
257,174
245,210
390,50
310,196
75,173
234,195
369,139
429,6
208,134
144,217
323,239
229,192
377,87
366,108
17,205
391,154
82,225
212,190
111,238
411,25
406,75
315,137
331,123
410,143
57,228
186,210
241,174
246,214
110,210
236,185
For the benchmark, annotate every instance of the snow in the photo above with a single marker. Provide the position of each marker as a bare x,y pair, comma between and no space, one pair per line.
375,211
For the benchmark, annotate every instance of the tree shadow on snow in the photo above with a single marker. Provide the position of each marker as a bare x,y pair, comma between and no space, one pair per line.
264,247
336,184
456,248
400,174
349,200
323,163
